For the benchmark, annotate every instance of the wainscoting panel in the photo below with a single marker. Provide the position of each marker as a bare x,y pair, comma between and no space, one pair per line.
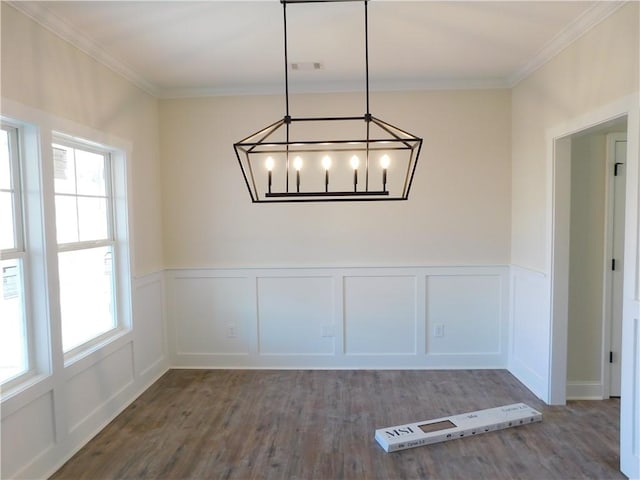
90,389
214,315
27,434
380,315
469,325
338,317
148,313
530,324
295,315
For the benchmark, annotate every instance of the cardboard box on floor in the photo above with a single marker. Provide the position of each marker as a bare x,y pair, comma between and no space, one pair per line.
443,429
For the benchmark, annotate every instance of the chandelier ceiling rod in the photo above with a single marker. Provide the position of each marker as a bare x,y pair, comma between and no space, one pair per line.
366,53
366,117
286,52
286,60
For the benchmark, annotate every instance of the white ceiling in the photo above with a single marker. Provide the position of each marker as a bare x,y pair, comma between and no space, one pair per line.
188,48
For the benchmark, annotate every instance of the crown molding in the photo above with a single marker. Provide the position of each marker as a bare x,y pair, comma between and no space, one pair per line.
39,13
339,87
580,26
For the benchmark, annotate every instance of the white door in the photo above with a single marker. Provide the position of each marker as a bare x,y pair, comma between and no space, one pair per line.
618,148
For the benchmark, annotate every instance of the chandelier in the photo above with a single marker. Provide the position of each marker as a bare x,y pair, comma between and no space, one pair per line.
321,159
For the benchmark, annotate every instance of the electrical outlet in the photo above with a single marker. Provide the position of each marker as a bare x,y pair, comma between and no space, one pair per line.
232,330
438,330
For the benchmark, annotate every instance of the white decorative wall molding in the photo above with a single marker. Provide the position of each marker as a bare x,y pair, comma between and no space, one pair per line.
530,324
571,33
369,317
150,329
52,417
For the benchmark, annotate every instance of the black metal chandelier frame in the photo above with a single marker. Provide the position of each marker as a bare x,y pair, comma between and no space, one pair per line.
260,143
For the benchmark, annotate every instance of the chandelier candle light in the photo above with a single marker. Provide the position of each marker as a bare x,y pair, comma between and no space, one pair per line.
385,155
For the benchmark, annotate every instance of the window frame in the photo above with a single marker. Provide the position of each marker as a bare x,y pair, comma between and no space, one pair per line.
20,249
119,325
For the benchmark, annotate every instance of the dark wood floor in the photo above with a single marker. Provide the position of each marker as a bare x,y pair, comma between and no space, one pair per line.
206,424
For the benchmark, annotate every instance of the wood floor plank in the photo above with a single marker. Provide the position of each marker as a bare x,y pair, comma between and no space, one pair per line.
246,424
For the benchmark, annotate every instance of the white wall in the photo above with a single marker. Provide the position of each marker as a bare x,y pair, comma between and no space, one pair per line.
586,288
458,212
50,84
599,68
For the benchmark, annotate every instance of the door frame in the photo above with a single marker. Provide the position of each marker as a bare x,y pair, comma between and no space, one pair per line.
557,209
608,298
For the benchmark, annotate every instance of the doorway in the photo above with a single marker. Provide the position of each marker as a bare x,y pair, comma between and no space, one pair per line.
558,222
595,246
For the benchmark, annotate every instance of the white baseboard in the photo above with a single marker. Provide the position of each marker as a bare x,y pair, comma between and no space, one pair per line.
584,391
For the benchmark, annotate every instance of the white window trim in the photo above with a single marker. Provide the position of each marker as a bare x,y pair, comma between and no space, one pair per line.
19,251
117,240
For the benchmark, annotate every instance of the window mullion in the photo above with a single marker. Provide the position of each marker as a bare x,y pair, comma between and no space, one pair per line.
75,190
12,254
70,247
17,191
111,226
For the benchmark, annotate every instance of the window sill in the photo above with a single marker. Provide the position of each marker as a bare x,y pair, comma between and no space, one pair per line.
107,343
21,385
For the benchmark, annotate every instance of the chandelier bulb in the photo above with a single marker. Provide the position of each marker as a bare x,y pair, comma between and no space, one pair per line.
355,162
297,163
326,162
269,163
385,161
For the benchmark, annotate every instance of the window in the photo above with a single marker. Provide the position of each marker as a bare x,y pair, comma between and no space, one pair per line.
14,332
86,242
64,248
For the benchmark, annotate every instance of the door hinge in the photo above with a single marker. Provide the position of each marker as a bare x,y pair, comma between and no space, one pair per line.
610,357
615,168
613,264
